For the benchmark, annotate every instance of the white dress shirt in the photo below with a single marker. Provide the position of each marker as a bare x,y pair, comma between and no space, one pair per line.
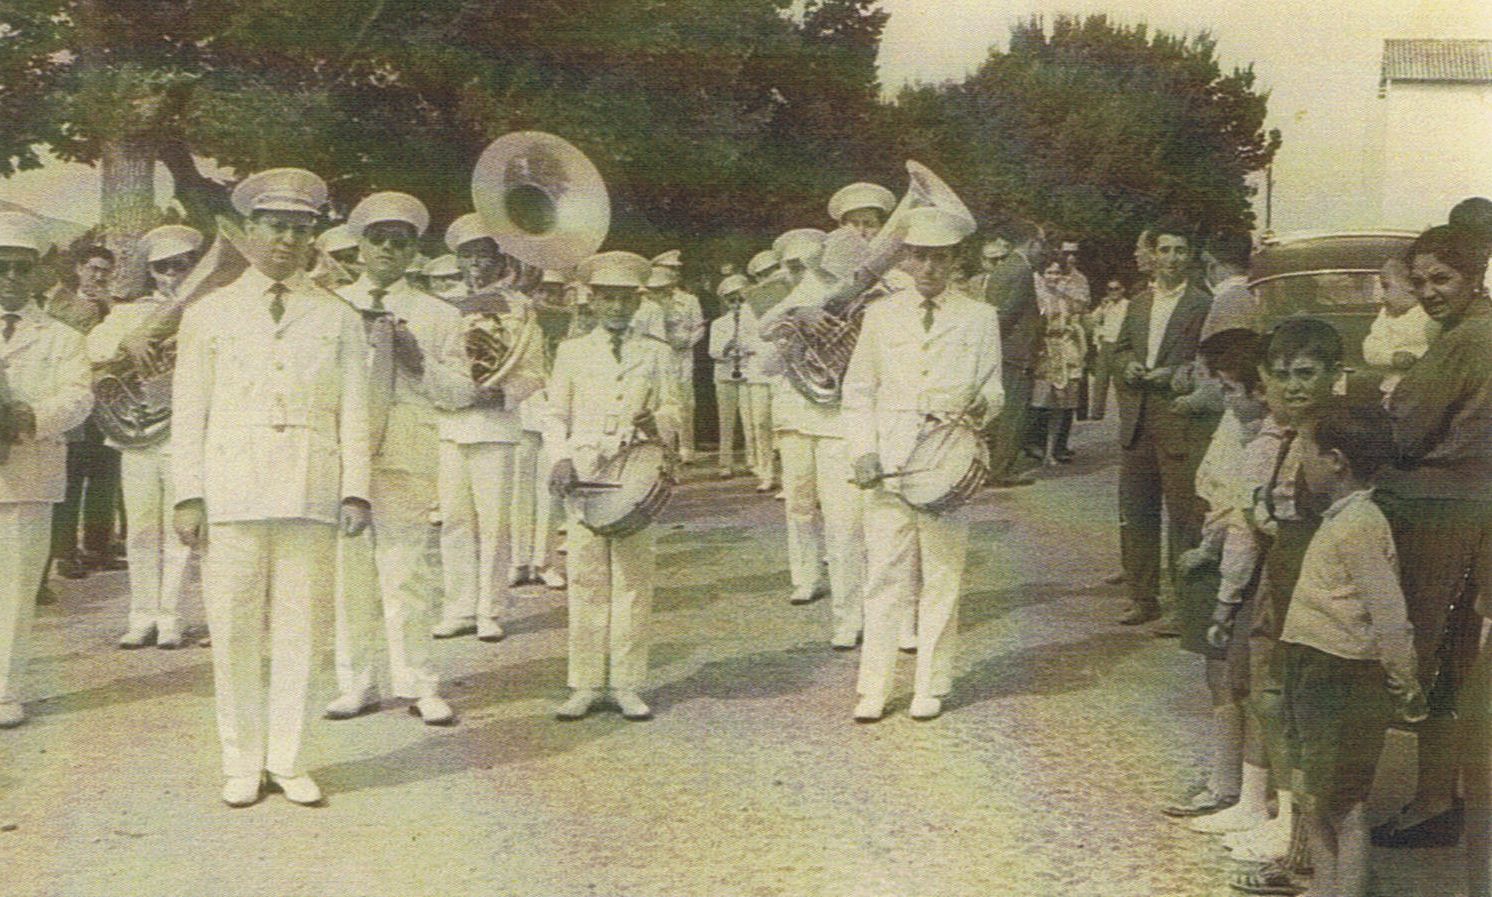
1162,306
43,365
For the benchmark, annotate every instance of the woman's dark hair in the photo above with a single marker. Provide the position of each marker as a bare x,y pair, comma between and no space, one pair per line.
1457,247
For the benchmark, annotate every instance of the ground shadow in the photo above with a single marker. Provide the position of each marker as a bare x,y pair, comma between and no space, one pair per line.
195,679
748,677
1047,669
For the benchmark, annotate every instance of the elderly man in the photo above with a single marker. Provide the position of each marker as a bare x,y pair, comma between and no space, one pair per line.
269,449
157,559
926,355
44,392
416,364
606,387
477,447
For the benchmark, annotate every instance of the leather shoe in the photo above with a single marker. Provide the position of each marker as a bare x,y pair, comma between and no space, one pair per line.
554,579
631,704
168,636
12,714
297,789
1166,627
1115,579
579,704
869,710
925,708
137,637
489,630
1442,830
351,705
434,711
71,568
1203,803
1140,614
242,791
453,628
802,596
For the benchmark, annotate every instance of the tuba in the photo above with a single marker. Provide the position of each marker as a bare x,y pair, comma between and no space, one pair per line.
816,353
546,205
132,397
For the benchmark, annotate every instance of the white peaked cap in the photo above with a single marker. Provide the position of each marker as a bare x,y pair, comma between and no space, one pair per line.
661,276
765,260
861,196
934,227
22,231
731,285
336,239
804,244
442,266
615,269
465,229
280,190
673,258
171,240
388,206
553,277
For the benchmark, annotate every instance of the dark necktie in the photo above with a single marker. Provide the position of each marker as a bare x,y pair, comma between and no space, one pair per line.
11,320
1274,475
616,344
377,294
277,304
927,314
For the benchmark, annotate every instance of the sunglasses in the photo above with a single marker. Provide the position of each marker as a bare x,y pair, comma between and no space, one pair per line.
17,268
171,266
392,241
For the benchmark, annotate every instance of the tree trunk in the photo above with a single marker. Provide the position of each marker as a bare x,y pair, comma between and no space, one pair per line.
127,169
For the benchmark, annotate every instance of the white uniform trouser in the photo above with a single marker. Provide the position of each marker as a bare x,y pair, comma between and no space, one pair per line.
282,570
610,599
157,559
24,529
476,497
757,418
387,572
733,398
684,358
816,470
536,513
919,559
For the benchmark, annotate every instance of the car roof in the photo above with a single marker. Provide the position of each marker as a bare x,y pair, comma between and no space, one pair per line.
1347,252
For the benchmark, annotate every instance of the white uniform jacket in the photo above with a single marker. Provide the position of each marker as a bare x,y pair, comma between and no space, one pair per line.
43,365
686,322
790,410
900,374
501,423
593,398
270,421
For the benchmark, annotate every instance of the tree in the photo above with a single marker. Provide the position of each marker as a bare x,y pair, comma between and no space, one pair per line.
1099,128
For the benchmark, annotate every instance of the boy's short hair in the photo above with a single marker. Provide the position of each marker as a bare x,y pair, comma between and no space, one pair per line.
89,253
1362,433
1173,226
1311,337
1233,248
1237,352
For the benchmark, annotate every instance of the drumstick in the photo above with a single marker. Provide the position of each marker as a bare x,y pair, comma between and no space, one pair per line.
894,474
581,485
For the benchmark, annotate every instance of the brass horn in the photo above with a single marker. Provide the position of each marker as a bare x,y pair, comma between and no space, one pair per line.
542,199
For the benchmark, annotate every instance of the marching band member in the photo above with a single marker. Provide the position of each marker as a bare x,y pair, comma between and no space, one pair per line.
269,450
337,260
816,463
925,354
606,386
734,340
862,207
44,392
763,266
444,275
476,458
684,326
157,559
416,363
524,513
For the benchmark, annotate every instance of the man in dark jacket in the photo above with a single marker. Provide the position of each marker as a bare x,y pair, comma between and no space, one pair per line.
1011,289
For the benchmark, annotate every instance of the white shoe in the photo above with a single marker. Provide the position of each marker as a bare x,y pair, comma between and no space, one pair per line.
138,637
1236,818
1270,841
297,789
353,704
631,704
926,708
764,488
12,714
780,496
580,702
553,578
845,639
453,628
168,635
434,711
489,630
242,791
869,710
801,596
516,576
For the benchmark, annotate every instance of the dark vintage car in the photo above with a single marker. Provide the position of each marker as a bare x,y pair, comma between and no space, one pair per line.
1332,276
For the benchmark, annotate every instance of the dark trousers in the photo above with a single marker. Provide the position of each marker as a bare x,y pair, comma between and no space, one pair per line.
1152,476
1007,434
93,494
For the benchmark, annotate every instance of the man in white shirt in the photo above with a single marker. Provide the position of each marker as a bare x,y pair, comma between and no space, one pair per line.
157,559
269,450
44,392
684,325
416,364
607,386
477,451
926,355
735,347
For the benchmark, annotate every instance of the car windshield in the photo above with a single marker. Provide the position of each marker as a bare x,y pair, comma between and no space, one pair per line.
1305,293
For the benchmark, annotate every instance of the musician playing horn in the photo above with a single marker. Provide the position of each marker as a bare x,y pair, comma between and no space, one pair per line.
157,559
416,363
925,355
606,386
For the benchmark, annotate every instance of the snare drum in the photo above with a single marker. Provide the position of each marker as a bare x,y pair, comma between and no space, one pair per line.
644,479
947,466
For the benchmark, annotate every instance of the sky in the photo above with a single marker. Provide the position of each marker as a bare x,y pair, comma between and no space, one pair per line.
1318,58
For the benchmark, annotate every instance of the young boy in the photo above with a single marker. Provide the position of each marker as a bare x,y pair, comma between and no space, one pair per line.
1348,649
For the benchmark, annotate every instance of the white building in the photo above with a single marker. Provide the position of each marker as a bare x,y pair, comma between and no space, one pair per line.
1434,130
